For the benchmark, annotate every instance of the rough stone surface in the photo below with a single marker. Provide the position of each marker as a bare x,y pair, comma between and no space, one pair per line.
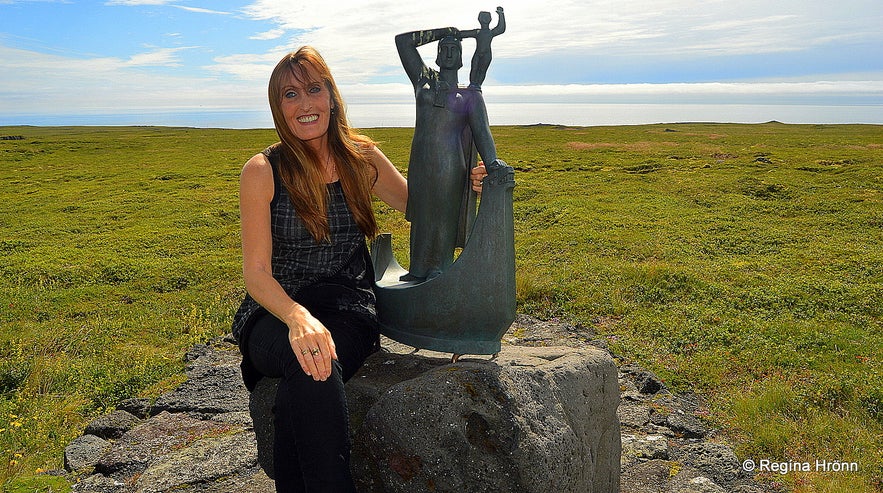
685,424
535,419
747,488
112,425
175,469
531,412
201,437
715,460
84,451
251,480
701,485
635,448
214,384
147,442
634,416
645,381
209,390
98,483
656,476
260,406
138,407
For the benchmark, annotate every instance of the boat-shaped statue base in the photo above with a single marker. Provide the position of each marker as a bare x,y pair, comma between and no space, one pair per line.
470,305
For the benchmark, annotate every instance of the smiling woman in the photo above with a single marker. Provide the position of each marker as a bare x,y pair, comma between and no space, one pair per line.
307,106
309,316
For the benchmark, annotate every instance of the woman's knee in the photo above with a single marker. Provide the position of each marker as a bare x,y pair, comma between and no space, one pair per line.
268,347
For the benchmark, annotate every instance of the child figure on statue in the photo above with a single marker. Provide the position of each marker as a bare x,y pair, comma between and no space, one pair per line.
481,60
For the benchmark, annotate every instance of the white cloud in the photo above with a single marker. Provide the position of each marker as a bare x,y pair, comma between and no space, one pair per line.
267,35
136,3
108,84
77,86
356,37
200,10
357,40
160,57
254,68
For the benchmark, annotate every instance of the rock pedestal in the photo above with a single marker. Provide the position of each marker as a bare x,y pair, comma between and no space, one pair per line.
531,420
535,419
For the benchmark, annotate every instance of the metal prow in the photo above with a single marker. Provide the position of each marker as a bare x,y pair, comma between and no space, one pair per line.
470,305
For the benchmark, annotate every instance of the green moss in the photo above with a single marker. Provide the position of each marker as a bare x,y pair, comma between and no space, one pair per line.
744,262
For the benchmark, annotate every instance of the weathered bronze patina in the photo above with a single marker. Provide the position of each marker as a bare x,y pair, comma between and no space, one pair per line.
439,304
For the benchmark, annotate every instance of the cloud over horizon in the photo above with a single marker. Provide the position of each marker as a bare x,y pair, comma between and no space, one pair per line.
163,54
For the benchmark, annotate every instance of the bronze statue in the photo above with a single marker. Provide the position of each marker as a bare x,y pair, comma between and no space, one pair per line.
467,305
450,120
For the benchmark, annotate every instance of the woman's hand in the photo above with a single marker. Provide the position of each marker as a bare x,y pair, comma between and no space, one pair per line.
477,176
312,343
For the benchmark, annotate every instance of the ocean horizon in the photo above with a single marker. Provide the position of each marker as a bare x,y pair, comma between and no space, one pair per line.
373,115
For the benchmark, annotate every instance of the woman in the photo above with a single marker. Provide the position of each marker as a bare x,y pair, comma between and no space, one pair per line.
309,316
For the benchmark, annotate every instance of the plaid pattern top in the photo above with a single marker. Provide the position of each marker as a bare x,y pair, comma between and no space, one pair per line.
299,261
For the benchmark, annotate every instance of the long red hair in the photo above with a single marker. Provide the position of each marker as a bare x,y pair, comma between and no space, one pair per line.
301,170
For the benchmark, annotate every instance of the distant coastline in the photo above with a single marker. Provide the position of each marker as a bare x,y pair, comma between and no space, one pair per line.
572,114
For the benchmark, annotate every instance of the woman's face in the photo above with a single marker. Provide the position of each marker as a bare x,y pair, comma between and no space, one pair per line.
306,106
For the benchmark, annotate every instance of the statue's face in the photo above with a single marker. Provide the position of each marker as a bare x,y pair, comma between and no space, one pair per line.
449,56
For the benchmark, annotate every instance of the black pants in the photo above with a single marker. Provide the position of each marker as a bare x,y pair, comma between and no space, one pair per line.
311,448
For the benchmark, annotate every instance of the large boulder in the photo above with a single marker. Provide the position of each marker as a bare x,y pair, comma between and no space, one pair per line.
532,420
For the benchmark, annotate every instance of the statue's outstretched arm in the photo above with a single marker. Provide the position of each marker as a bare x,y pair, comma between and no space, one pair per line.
407,43
501,23
472,33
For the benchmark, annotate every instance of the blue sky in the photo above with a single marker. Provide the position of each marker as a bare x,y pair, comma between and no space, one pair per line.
94,57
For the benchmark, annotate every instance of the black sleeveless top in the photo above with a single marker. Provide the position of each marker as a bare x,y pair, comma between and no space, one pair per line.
333,275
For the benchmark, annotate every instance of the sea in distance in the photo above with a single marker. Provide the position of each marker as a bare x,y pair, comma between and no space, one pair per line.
571,114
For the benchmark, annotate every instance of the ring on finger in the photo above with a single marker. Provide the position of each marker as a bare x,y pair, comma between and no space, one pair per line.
315,351
304,351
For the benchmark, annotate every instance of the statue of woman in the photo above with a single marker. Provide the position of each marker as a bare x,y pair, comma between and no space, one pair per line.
450,119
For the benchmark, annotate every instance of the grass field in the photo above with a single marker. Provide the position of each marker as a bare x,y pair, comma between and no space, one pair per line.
742,262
